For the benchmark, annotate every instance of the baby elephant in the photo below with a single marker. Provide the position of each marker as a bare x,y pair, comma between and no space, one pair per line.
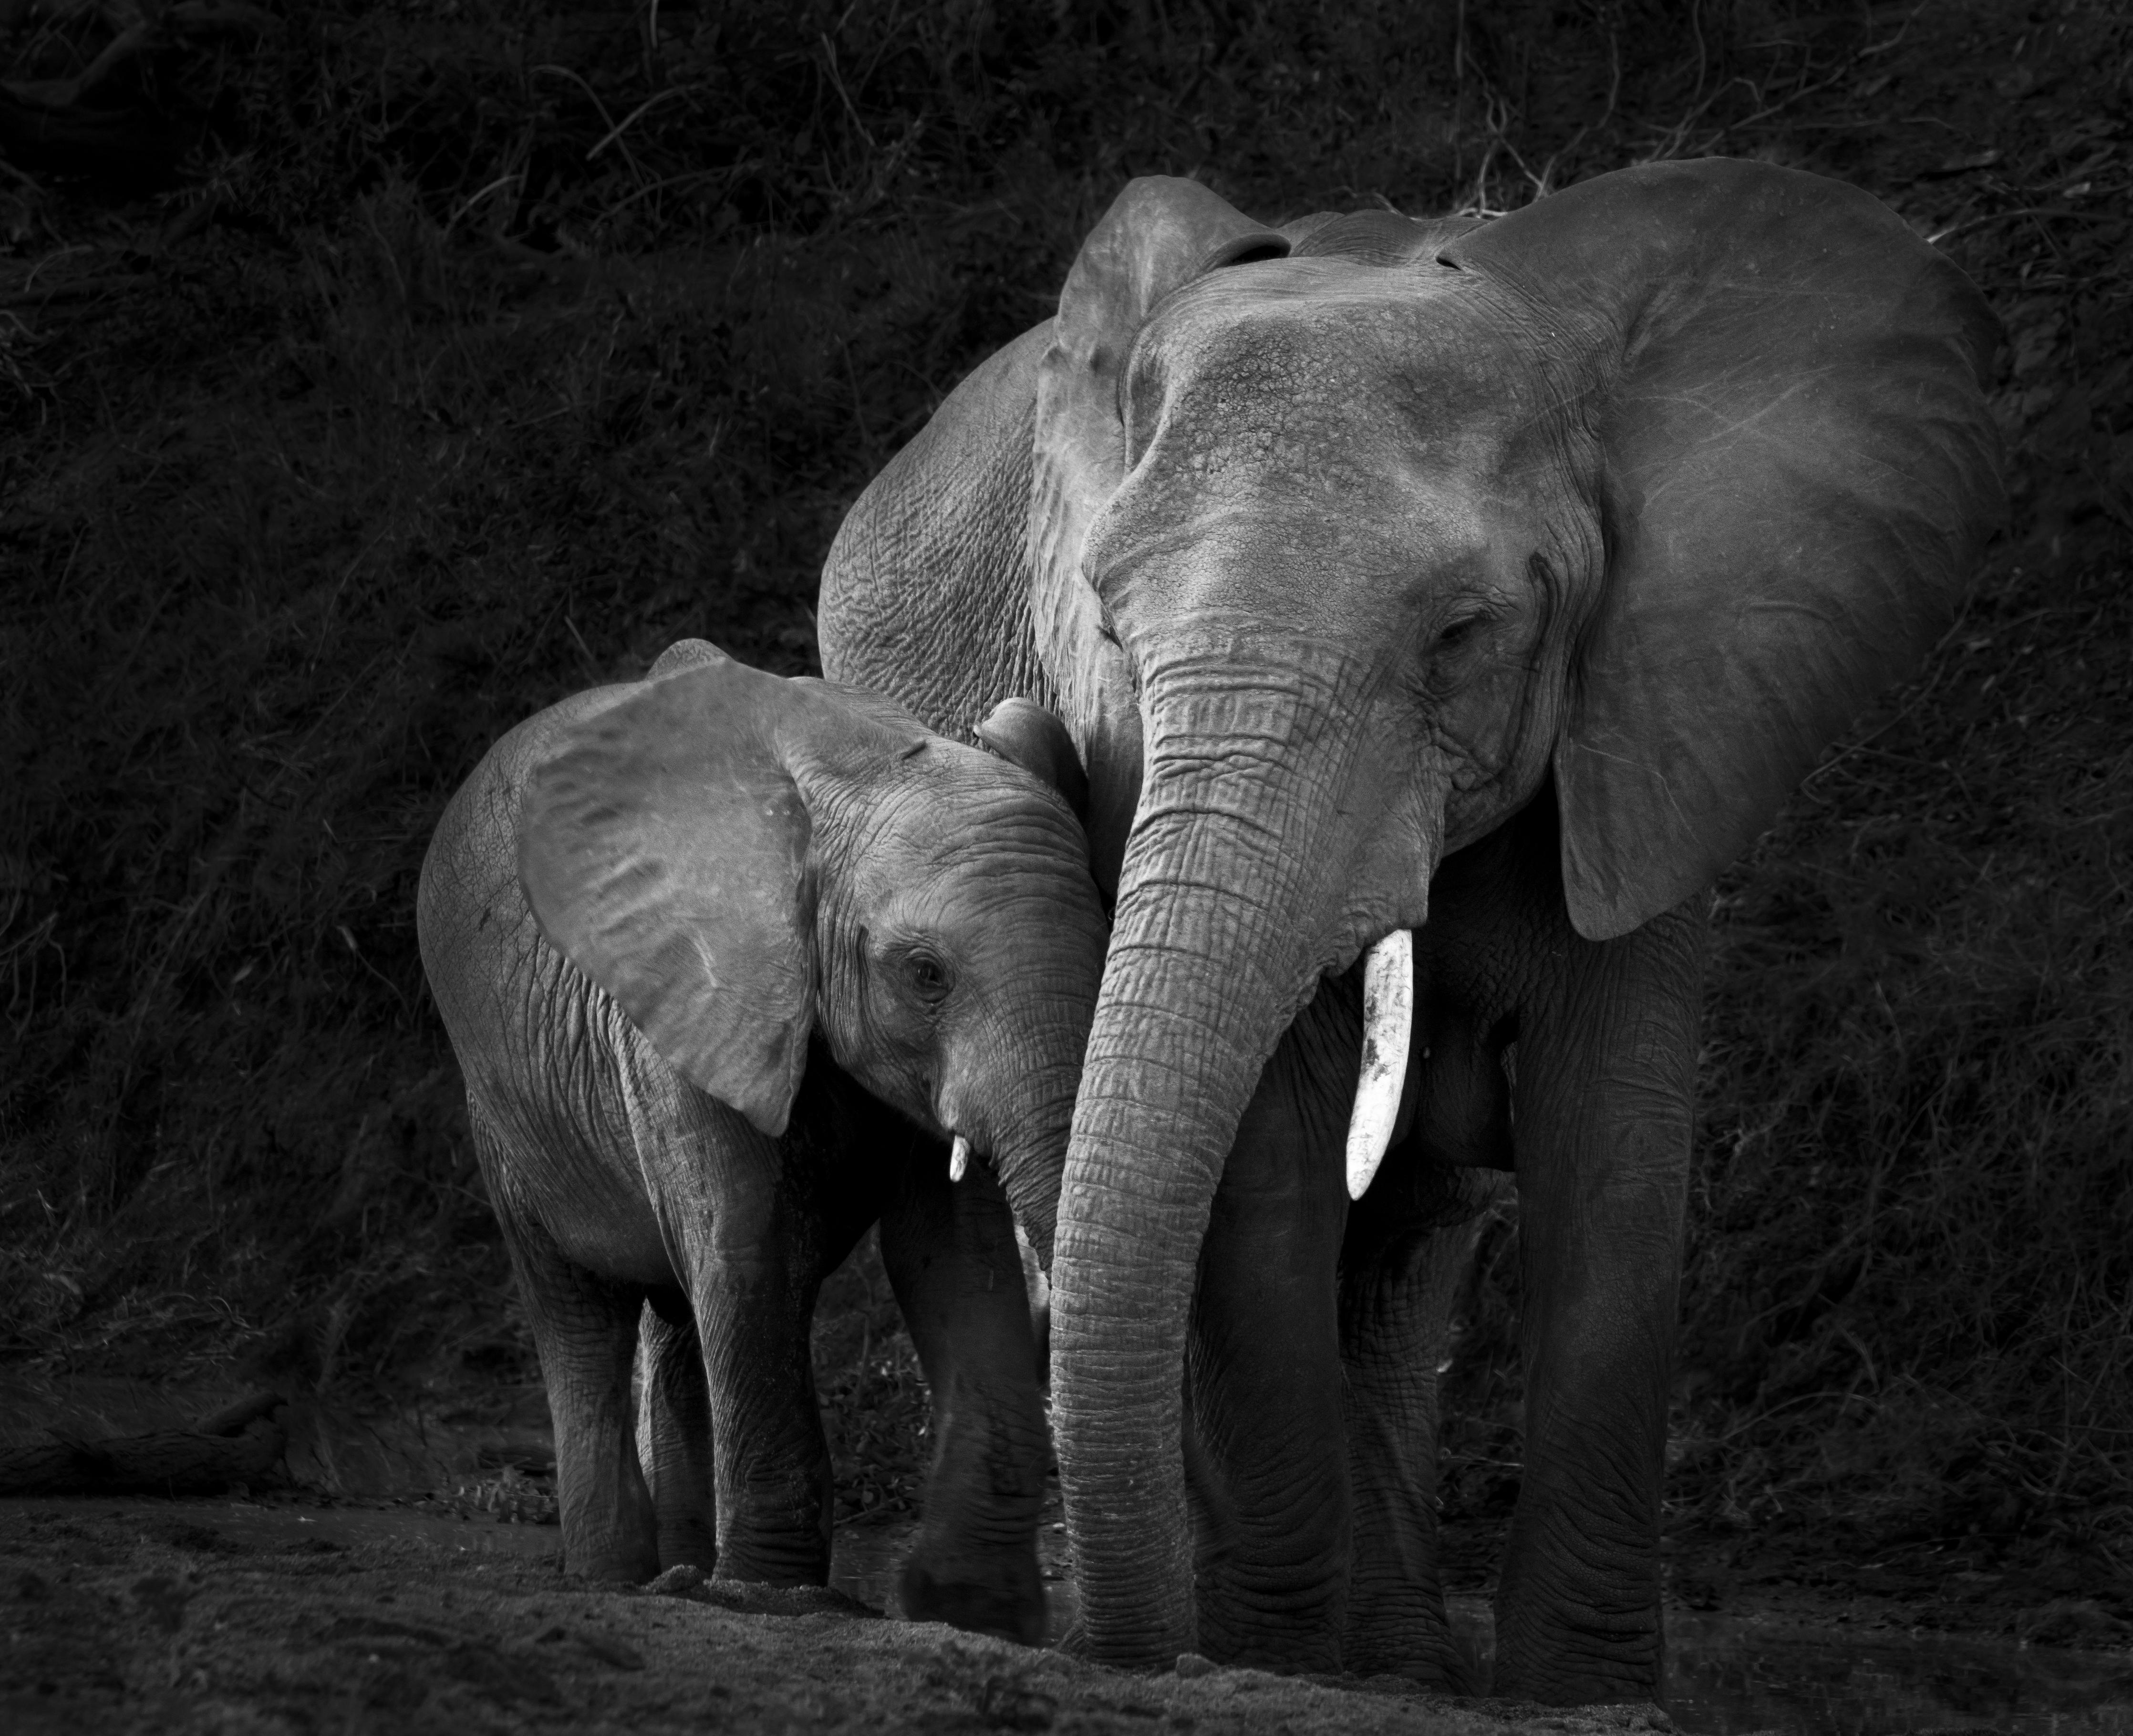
726,960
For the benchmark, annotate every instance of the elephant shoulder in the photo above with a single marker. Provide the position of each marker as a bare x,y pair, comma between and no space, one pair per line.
925,593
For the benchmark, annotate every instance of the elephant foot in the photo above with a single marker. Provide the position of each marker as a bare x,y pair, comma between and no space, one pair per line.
611,1565
688,1544
778,1550
1557,1653
1444,1666
1401,1630
1558,1676
1266,1633
744,1597
1000,1593
1582,1688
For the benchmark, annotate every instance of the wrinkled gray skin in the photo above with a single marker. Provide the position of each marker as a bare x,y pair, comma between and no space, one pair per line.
724,959
1492,581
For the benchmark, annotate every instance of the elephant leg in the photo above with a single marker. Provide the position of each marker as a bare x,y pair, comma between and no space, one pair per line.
950,1249
1207,1505
742,1217
674,1432
1604,1104
754,1306
1269,1489
1396,1292
584,1328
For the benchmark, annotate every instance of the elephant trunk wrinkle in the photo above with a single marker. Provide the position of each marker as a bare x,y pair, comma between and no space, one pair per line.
1139,1185
1174,1056
1233,905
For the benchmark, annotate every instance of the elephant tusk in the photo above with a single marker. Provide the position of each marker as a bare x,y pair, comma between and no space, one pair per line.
959,1158
1388,1026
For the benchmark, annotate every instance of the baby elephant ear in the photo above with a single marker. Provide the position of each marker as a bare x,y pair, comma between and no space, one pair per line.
1797,471
1023,731
662,845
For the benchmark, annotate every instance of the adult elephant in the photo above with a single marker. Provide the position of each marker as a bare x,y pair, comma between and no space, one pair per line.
1489,582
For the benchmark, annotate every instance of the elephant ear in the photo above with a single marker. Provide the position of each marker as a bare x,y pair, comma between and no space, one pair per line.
1023,731
1797,471
662,845
686,654
1159,235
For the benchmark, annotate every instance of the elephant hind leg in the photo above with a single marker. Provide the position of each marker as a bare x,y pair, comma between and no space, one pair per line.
1398,1288
1265,1476
1606,1098
584,1327
951,1253
674,1432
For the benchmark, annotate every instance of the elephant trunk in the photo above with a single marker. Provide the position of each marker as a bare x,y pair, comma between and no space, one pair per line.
1227,915
1012,1081
1030,1150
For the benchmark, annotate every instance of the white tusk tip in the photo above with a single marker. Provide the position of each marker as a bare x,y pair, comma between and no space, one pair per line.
959,1158
1387,1028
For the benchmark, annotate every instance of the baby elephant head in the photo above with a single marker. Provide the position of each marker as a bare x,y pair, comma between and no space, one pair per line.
742,862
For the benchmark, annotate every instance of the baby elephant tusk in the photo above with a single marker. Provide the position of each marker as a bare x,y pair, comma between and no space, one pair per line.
1387,1025
959,1158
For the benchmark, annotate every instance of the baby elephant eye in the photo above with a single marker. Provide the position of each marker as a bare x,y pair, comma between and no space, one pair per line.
928,976
1456,634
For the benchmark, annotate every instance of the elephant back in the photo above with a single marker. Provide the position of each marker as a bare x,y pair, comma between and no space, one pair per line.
925,593
1374,238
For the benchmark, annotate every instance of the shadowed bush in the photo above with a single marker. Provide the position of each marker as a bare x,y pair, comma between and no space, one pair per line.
1913,1274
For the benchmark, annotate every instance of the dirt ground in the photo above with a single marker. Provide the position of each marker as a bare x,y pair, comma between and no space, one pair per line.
178,1616
291,1609
294,1611
401,1571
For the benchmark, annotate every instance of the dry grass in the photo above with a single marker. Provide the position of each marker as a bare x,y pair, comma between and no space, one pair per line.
482,349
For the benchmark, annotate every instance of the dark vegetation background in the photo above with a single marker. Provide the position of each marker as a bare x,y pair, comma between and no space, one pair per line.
403,367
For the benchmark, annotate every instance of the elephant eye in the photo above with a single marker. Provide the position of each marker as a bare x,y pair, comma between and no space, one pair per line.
1458,632
928,977
1106,626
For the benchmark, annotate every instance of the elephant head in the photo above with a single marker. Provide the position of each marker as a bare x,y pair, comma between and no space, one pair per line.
1350,538
744,862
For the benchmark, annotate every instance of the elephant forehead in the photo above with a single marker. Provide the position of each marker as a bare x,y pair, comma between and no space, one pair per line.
1196,533
955,807
1299,363
1376,432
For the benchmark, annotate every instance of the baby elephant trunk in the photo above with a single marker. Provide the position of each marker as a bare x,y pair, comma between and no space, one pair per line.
1029,1155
